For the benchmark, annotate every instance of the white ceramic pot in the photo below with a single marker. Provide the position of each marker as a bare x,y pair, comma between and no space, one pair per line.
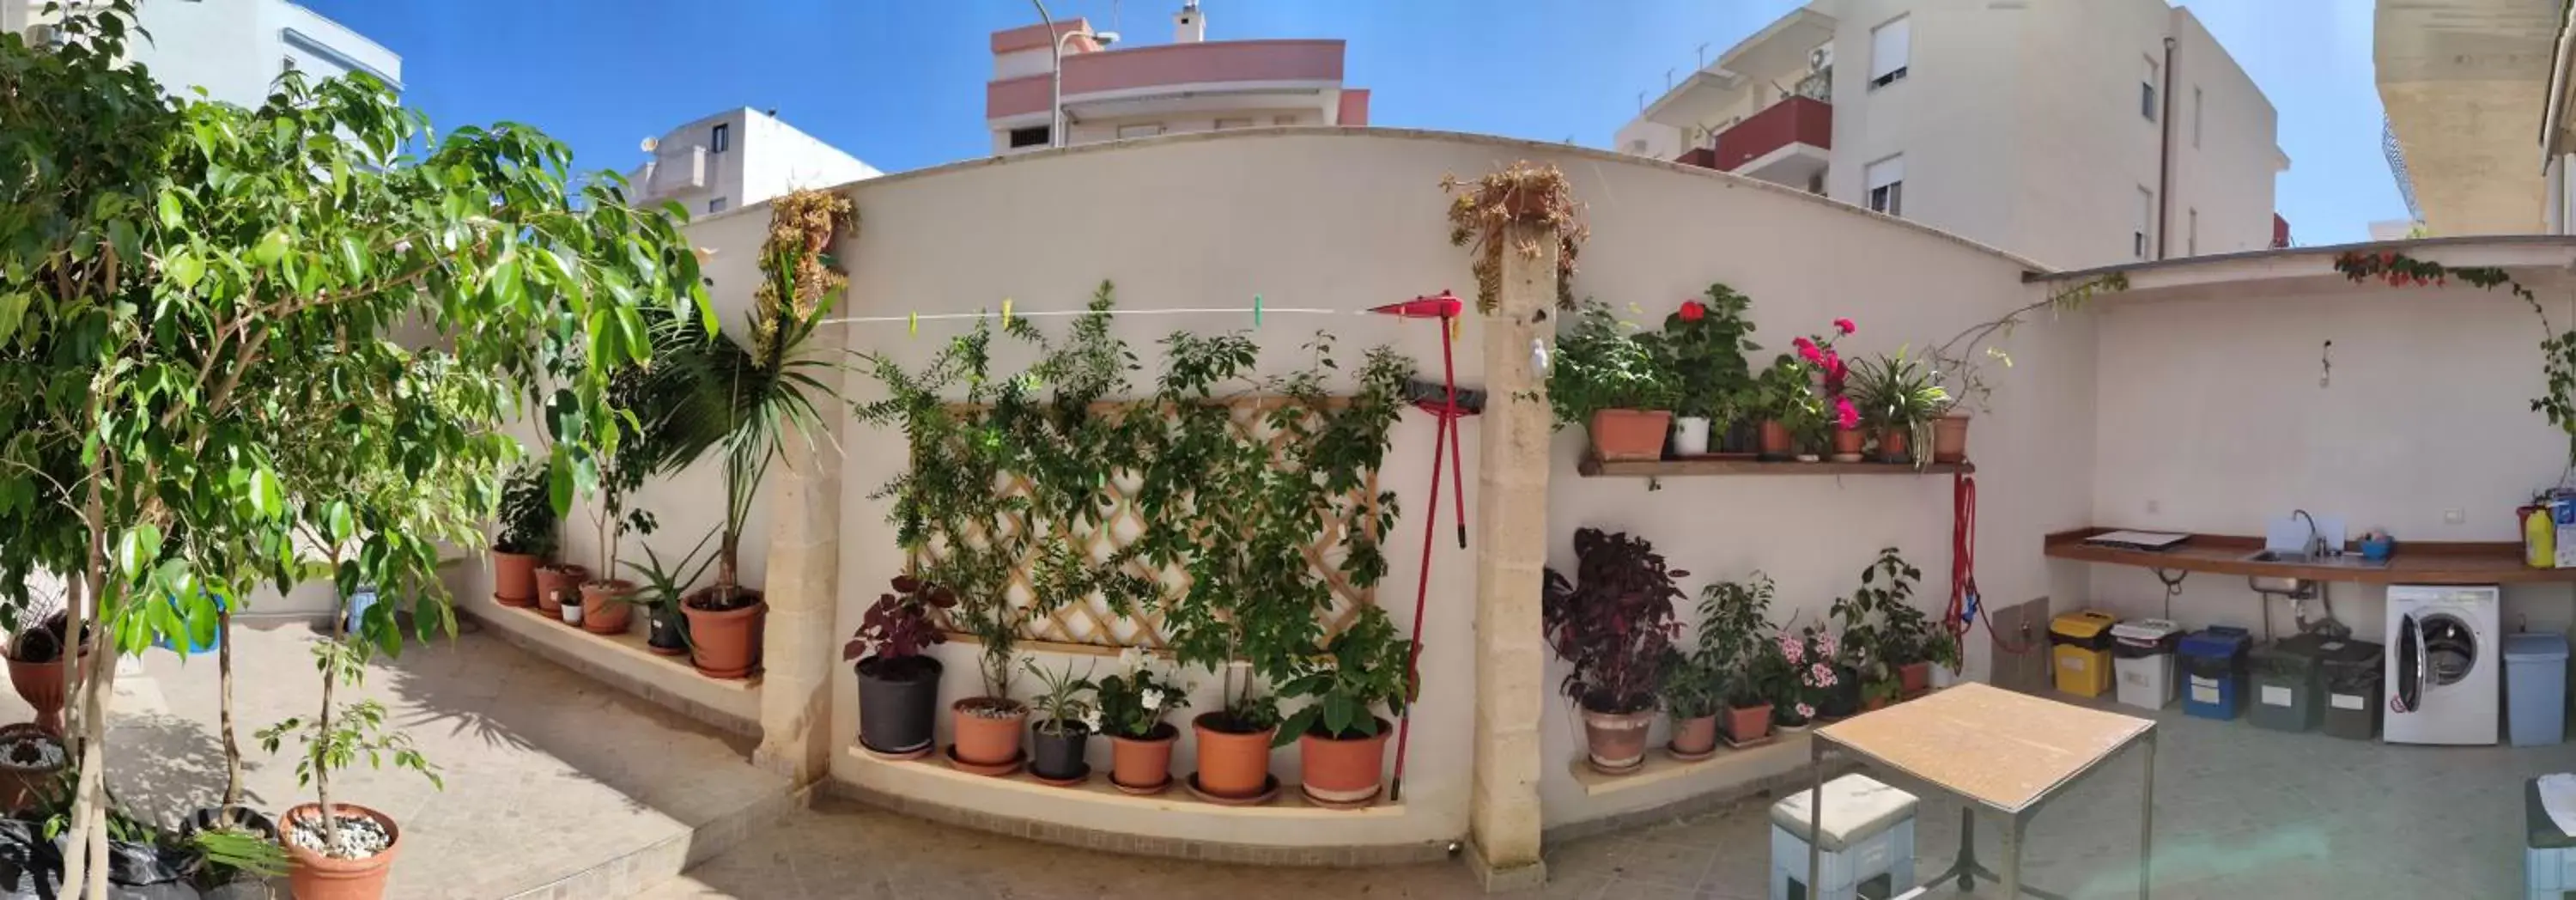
1690,436
572,613
1944,676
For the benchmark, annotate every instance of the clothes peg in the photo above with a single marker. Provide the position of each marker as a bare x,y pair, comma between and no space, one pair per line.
1006,310
1256,310
914,326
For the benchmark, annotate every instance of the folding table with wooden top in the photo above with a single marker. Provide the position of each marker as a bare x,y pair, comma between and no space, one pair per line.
2007,752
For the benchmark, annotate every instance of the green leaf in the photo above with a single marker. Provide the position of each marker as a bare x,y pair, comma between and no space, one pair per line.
559,485
170,214
137,548
267,497
185,268
271,248
13,309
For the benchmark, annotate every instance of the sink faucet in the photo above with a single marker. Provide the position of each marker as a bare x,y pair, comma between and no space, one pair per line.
2316,545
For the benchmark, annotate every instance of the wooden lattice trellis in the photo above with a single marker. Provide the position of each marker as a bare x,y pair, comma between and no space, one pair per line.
1089,622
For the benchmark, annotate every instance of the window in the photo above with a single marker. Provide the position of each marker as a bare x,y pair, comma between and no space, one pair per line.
1888,46
2191,233
2195,118
2147,92
1032,136
1223,124
716,205
721,140
1885,181
2144,226
1140,130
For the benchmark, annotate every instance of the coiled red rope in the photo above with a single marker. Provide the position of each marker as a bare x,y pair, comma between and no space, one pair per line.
1967,604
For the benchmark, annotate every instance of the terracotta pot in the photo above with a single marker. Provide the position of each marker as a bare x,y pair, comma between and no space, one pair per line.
1914,678
20,787
1777,443
1848,443
1234,764
1629,435
988,740
604,609
1950,439
726,643
1617,741
1342,771
313,876
1695,736
41,685
556,580
514,578
1873,704
1146,762
1892,444
1748,723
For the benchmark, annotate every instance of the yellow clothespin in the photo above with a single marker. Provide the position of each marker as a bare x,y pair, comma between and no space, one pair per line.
1006,310
912,323
1457,327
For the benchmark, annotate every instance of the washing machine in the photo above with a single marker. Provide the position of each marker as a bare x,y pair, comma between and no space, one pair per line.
2445,664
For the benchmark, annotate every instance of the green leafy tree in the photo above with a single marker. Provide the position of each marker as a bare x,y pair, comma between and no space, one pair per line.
245,346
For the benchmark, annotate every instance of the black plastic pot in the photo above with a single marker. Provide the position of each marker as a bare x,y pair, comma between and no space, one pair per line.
898,703
1059,756
1843,700
668,630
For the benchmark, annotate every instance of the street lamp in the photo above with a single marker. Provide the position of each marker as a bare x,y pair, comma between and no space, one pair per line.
1055,72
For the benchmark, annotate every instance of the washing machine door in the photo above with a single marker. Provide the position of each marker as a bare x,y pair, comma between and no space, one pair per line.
2435,649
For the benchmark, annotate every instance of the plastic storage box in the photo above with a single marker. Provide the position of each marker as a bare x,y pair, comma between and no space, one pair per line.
2289,679
2080,646
2535,688
2352,675
2142,659
2213,666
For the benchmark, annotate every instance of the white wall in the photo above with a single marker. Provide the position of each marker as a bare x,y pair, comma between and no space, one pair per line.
778,158
237,48
2229,177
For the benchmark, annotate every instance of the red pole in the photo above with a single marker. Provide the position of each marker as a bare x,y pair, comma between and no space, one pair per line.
1447,433
1457,467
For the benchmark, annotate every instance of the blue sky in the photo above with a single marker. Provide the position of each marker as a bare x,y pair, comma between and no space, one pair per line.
899,83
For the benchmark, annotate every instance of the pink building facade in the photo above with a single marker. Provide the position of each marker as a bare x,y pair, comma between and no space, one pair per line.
1190,84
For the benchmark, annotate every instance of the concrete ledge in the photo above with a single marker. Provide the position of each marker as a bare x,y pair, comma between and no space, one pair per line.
621,661
964,800
1670,790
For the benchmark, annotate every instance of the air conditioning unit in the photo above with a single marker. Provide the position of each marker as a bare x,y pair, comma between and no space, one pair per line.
1821,58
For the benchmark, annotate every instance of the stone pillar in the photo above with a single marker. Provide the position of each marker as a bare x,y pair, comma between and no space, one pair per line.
803,590
1511,553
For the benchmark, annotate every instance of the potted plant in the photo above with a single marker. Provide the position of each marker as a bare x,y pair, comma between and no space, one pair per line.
1704,347
1614,625
527,535
1786,401
343,850
660,596
1885,635
1734,618
1065,723
570,610
558,580
1133,704
1897,396
1341,740
36,667
1612,379
639,453
1816,682
1831,378
1691,690
30,758
988,726
898,680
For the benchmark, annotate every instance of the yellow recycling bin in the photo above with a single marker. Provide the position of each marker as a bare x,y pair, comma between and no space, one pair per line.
2080,645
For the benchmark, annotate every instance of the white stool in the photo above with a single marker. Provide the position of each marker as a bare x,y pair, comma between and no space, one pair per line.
1867,839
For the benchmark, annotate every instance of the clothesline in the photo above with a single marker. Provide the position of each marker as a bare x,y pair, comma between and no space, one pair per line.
986,314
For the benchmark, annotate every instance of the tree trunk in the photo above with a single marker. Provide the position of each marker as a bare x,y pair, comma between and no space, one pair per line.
86,853
232,748
322,728
726,574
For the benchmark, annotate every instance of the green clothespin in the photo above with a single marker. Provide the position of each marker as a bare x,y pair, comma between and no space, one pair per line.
1256,310
914,318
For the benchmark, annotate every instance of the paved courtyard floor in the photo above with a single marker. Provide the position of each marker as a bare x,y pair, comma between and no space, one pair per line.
2240,813
548,773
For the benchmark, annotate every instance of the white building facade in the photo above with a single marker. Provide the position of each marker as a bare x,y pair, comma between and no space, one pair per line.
235,49
2078,134
737,158
1189,84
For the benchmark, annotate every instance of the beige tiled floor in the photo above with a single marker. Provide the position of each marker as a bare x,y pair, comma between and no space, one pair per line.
547,772
2240,813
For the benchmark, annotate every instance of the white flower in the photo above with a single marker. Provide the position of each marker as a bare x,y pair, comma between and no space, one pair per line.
1091,719
1153,698
1134,659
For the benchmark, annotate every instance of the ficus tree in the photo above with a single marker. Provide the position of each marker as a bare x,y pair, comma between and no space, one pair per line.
265,346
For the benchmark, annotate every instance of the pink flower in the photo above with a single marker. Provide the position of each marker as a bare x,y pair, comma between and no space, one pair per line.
1845,415
1826,645
1810,353
1791,648
1806,712
1820,675
1845,326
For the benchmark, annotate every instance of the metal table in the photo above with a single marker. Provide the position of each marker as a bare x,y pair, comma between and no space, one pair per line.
2008,753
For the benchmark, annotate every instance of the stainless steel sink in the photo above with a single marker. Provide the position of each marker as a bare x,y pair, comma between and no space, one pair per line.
2292,557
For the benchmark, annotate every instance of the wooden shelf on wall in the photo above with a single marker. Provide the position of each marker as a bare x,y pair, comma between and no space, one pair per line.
1711,465
2416,562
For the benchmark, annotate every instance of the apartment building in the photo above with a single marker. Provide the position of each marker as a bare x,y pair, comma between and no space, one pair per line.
2467,84
735,158
1190,84
235,49
2078,134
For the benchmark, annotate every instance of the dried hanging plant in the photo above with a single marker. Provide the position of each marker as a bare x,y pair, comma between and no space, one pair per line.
1524,193
801,227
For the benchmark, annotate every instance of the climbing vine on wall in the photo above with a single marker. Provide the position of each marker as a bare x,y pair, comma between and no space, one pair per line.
2558,348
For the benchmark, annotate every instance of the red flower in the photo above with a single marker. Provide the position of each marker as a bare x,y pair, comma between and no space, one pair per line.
1809,352
1845,326
1845,415
1692,311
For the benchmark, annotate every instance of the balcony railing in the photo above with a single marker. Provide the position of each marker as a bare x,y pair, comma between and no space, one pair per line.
1176,66
1796,120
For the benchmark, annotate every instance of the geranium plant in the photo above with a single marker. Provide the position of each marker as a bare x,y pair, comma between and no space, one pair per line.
1614,622
1604,363
1704,347
1815,669
1134,702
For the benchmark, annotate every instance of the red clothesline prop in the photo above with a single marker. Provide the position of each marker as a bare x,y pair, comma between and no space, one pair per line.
1446,407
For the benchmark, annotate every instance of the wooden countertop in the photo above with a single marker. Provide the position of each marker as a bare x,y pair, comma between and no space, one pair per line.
2416,562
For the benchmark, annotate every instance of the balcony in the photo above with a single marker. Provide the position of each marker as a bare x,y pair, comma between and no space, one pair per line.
1787,143
1177,70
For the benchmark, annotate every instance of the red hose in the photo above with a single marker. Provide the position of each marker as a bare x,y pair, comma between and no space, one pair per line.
1963,569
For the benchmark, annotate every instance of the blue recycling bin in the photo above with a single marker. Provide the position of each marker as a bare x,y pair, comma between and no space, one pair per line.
2535,688
2213,665
213,642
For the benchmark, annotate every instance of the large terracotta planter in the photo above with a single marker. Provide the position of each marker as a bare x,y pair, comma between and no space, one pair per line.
1629,435
314,876
1616,741
725,643
41,685
1913,678
1232,764
556,580
1694,737
1848,443
1777,443
1893,444
1143,764
1343,772
514,578
1747,724
1950,439
604,609
988,738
